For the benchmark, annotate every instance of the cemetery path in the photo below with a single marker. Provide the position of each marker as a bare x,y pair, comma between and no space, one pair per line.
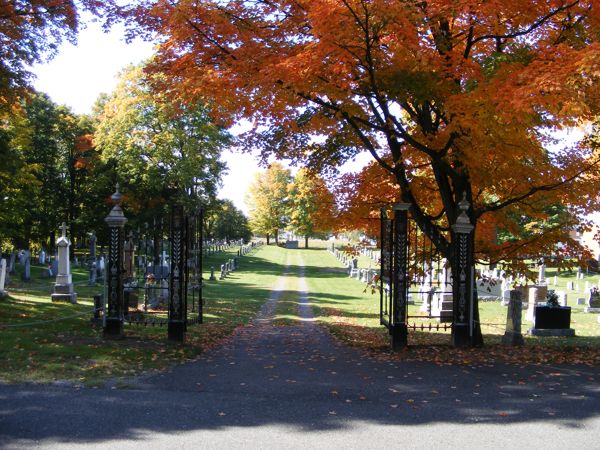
295,386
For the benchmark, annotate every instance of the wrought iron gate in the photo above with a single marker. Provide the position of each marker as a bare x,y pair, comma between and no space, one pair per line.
156,274
414,272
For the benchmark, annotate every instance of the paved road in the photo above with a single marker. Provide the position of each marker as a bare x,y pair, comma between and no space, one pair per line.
271,386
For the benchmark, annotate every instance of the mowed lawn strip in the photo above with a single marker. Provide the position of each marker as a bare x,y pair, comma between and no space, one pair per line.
352,313
44,348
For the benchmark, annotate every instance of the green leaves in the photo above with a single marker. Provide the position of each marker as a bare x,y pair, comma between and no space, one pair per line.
164,149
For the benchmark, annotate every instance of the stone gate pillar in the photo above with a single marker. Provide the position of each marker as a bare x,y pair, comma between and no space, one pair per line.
462,278
116,220
399,330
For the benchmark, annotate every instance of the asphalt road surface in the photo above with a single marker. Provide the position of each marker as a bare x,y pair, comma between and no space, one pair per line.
296,387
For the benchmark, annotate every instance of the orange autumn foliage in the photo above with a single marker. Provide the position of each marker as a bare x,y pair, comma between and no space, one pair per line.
449,98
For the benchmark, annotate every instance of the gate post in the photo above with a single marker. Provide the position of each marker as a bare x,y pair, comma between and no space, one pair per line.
462,274
398,329
177,306
116,220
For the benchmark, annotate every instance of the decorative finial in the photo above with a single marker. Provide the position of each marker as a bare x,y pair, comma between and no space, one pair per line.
115,217
463,205
116,197
63,227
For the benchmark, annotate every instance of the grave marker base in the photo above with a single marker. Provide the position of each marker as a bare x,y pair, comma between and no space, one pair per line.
551,332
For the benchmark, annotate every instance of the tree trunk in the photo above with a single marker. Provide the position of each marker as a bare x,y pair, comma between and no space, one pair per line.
268,238
306,241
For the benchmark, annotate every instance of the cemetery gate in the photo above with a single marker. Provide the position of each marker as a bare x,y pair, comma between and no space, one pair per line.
154,274
414,272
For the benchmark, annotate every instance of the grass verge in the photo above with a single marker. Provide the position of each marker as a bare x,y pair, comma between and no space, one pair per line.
41,341
352,314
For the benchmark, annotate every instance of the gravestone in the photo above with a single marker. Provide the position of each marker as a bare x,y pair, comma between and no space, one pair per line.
212,273
101,266
3,268
42,257
512,335
129,257
441,305
92,246
164,291
291,244
26,260
541,273
562,298
593,302
537,295
11,263
150,288
54,267
552,321
92,275
63,289
353,267
489,288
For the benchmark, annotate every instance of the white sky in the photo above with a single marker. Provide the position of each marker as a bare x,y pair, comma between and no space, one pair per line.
79,74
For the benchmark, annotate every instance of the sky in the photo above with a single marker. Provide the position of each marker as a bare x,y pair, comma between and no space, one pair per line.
79,74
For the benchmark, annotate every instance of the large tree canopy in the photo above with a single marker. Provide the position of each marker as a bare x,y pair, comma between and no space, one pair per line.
31,31
312,207
450,98
268,201
161,150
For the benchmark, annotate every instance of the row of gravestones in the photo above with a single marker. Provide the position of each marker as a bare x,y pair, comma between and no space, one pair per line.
370,253
232,264
434,290
59,267
213,247
351,263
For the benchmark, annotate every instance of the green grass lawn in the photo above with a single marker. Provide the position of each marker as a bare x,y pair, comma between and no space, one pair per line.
352,314
41,341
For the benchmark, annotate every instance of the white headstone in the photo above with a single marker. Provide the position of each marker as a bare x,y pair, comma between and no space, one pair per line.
542,274
63,289
42,257
562,298
3,267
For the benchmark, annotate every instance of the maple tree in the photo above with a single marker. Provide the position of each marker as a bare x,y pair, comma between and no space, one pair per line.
268,201
312,206
450,98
